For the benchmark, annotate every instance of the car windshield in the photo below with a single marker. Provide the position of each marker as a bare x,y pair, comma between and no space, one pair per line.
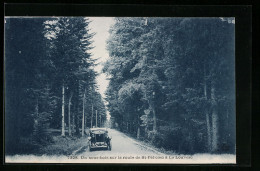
98,131
100,137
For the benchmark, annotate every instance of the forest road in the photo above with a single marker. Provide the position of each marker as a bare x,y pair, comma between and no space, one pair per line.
122,145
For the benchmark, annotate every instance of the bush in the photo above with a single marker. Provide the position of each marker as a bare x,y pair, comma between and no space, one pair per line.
166,137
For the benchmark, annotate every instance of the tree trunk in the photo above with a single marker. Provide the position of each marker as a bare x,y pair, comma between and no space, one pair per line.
208,131
209,145
154,119
91,116
214,129
138,132
63,105
69,113
83,114
36,117
73,122
214,120
37,108
85,121
77,124
138,126
96,119
100,121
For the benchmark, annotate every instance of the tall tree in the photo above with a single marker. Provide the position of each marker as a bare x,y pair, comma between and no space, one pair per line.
25,78
177,66
70,45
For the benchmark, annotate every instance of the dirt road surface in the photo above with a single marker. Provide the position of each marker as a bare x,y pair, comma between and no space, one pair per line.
124,150
121,145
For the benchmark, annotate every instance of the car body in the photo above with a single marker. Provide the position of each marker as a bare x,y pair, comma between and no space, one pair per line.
99,139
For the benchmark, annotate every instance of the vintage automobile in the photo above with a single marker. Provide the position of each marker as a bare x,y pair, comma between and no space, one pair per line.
99,139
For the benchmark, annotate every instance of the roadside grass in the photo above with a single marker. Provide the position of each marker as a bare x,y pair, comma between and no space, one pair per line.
63,145
149,144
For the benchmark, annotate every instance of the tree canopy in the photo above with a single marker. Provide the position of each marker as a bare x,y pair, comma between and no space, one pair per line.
172,81
49,81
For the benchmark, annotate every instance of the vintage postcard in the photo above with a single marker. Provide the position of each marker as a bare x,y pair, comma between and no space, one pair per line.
120,90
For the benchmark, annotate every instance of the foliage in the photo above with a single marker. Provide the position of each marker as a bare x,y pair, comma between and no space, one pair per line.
167,75
42,55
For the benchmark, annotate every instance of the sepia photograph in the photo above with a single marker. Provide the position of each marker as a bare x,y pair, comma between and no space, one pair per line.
157,90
